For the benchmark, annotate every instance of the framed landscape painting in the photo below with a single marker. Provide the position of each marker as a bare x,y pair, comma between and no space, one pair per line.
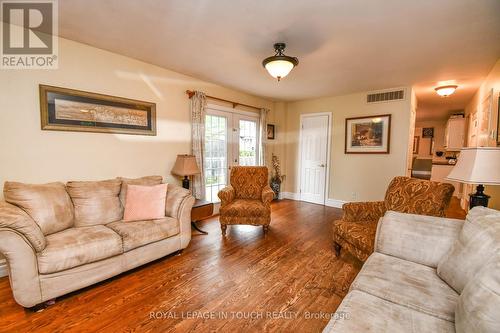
65,109
368,135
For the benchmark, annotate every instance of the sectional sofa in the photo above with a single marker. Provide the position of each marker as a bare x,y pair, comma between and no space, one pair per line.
58,237
427,274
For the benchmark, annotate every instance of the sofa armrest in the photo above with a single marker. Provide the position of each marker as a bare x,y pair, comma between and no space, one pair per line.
179,204
13,217
363,211
226,195
267,195
417,238
23,267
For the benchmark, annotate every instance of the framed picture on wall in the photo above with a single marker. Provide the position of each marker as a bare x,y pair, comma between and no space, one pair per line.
416,141
368,135
428,132
64,109
270,132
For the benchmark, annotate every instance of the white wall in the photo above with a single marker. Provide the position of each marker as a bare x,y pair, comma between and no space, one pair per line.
353,177
32,155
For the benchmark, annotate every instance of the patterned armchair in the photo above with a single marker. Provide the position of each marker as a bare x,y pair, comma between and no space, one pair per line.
355,232
248,199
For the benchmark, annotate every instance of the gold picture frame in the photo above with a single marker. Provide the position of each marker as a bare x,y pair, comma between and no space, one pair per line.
64,109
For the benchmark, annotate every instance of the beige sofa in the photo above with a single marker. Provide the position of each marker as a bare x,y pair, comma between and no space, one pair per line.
427,274
58,237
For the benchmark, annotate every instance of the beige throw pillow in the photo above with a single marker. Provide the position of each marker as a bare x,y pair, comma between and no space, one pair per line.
476,244
96,202
49,205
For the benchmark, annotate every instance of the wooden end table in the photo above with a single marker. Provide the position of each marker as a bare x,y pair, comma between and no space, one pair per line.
201,210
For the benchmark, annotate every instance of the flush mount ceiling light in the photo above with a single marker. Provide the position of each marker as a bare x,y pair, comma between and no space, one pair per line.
446,91
279,65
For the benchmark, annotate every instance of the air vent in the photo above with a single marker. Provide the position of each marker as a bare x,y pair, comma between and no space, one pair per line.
386,96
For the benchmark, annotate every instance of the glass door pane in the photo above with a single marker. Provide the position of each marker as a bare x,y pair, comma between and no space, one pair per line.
216,155
247,143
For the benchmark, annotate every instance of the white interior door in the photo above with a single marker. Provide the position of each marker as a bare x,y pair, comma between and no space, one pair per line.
314,157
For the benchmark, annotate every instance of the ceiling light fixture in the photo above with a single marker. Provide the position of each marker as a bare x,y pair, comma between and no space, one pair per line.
445,91
280,65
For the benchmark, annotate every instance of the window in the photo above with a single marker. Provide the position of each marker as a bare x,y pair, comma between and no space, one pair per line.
231,138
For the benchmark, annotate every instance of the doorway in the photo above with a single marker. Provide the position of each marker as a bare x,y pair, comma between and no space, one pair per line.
231,139
314,152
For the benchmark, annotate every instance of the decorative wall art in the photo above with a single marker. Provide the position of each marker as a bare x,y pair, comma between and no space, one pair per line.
65,109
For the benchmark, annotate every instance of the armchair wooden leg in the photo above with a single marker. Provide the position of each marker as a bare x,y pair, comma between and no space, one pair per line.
266,228
223,227
337,248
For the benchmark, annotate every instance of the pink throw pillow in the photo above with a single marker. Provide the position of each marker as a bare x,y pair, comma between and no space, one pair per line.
145,202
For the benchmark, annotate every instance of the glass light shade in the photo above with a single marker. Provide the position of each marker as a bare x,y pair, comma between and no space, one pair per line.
445,91
279,68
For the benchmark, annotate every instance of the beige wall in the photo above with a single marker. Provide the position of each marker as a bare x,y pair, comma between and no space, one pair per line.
492,81
353,177
29,154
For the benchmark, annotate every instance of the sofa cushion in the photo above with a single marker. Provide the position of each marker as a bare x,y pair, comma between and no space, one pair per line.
145,202
139,233
479,304
78,246
96,202
360,234
49,205
362,312
477,242
144,181
245,208
406,283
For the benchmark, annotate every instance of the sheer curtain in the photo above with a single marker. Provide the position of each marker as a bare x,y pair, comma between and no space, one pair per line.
197,109
263,137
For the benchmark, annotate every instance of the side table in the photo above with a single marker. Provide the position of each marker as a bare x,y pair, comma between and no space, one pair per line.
201,210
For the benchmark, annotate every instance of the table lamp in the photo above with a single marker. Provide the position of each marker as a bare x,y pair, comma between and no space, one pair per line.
479,166
185,166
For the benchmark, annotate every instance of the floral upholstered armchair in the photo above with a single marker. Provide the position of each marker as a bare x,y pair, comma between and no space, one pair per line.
248,199
355,232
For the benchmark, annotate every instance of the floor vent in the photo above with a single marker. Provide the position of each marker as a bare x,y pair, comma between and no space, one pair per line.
386,96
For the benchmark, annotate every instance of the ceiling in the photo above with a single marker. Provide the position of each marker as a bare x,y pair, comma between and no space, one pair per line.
343,46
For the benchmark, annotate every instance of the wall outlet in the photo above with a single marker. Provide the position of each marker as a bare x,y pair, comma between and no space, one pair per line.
354,196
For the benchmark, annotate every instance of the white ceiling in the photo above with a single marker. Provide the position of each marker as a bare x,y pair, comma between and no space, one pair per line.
343,46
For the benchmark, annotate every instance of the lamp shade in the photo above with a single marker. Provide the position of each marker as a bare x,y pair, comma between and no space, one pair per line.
477,166
185,165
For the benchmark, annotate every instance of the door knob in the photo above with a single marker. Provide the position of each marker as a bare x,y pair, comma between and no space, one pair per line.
321,165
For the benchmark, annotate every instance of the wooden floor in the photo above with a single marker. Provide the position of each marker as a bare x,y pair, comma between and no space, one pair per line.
286,281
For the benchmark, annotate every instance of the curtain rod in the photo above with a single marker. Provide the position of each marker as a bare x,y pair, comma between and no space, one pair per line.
190,93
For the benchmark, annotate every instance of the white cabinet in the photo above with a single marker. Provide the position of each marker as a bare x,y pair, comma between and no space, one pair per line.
438,174
454,134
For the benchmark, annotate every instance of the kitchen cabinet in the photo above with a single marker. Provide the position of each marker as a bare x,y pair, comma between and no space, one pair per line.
454,137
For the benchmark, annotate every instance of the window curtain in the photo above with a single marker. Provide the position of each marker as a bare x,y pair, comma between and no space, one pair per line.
263,137
197,106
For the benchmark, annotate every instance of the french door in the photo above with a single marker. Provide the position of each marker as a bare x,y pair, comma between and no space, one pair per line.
230,139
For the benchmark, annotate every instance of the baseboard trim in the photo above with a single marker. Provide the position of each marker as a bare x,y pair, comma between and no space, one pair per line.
290,195
335,203
3,268
296,196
